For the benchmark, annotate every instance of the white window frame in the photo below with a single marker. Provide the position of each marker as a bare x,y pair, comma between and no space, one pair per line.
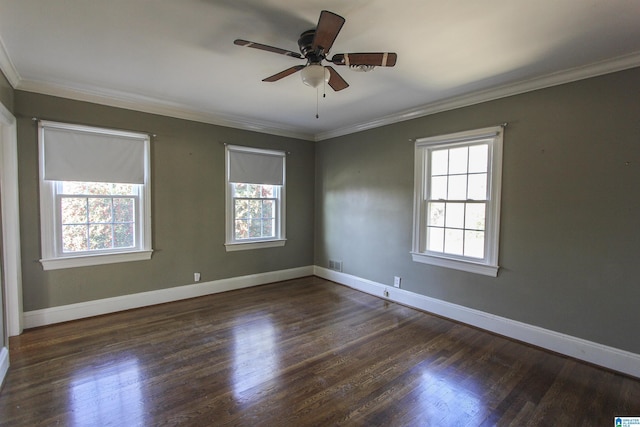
493,136
53,258
232,244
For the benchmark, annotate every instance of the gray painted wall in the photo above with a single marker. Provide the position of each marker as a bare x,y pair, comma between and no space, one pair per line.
187,160
6,92
570,232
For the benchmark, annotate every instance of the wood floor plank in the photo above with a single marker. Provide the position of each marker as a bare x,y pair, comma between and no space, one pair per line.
304,352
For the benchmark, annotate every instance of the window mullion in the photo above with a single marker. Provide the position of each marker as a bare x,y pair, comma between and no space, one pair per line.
262,217
88,234
113,223
464,205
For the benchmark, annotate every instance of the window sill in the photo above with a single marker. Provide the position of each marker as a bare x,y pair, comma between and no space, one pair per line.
98,259
457,264
231,247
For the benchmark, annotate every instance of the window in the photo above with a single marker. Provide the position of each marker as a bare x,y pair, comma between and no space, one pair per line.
457,200
94,196
254,198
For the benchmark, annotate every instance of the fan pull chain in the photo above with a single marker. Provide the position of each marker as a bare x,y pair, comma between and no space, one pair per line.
324,95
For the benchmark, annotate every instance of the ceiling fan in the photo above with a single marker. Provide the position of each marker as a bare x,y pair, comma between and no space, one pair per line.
314,47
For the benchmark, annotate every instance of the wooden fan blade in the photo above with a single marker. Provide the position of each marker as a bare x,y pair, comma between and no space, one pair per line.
329,25
261,46
284,73
379,59
335,80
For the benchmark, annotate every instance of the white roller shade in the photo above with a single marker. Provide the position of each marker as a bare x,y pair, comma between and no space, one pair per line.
254,166
82,153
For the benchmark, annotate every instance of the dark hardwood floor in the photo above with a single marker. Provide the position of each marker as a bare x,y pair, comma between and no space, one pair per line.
305,352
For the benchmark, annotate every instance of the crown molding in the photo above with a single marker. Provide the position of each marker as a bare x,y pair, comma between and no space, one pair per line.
7,67
554,79
172,109
156,106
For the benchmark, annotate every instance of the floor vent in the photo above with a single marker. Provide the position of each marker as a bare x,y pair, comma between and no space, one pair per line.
335,265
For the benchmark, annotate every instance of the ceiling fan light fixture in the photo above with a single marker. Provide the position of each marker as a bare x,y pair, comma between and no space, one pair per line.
313,75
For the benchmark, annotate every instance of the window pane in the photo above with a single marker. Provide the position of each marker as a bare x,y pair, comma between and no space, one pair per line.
123,236
474,218
435,239
477,187
73,210
267,191
69,187
455,215
268,207
458,160
239,190
269,228
123,210
255,228
439,162
436,214
241,208
99,210
241,229
438,188
474,244
97,223
478,158
97,188
74,238
124,189
256,191
254,209
101,189
453,241
255,219
252,190
100,236
457,187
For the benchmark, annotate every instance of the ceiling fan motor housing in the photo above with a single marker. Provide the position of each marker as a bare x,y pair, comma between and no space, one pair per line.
305,43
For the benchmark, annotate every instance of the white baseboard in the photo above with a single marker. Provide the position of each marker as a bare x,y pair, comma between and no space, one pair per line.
4,363
578,348
81,310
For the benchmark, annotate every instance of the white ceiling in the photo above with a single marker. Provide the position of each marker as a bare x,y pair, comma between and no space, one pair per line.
177,57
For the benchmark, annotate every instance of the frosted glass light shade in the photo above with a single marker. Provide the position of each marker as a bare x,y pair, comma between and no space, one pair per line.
313,75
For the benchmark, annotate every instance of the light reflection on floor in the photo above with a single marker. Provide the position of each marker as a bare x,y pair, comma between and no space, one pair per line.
256,358
441,398
100,395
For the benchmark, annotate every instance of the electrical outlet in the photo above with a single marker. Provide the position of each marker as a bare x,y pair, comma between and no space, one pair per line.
196,277
396,281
